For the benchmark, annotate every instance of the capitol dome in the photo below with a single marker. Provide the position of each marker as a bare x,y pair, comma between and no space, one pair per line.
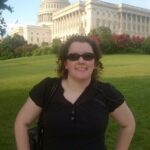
47,8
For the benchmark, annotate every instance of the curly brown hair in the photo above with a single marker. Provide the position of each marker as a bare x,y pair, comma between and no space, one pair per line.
63,52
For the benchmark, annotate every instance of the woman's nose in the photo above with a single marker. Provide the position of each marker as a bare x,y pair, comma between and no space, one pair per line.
81,59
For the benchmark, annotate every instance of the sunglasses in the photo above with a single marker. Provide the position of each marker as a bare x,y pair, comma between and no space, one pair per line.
75,56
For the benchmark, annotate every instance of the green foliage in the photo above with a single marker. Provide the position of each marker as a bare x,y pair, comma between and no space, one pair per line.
119,43
25,50
5,48
9,45
104,36
104,33
2,25
16,46
44,44
146,45
41,51
56,43
3,6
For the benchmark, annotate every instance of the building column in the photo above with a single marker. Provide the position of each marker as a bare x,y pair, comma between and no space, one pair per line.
136,24
63,23
121,22
131,24
140,24
145,25
57,26
67,23
126,16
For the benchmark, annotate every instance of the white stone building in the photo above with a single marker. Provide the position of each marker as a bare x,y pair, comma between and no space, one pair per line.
63,19
83,16
33,34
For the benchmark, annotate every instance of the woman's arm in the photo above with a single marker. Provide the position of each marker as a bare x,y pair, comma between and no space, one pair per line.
29,112
124,117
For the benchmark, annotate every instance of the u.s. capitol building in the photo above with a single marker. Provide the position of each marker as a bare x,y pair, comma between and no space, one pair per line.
60,19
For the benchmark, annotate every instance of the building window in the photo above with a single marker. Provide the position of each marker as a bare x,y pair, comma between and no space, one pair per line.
143,19
147,29
134,27
37,40
31,39
129,17
133,17
119,26
124,16
129,27
103,23
147,20
138,27
97,22
138,18
143,28
109,23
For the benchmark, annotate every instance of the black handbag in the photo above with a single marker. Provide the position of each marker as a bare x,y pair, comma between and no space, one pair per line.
34,140
36,133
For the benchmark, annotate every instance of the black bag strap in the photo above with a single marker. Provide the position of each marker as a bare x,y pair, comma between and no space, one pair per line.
54,84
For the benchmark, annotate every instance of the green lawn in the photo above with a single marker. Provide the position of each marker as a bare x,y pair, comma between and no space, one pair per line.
129,73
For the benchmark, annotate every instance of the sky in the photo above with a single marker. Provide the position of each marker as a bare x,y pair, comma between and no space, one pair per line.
26,11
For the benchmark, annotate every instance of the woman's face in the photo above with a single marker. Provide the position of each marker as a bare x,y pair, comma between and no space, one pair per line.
80,61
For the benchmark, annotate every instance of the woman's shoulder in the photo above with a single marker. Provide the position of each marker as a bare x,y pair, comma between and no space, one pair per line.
41,90
113,97
48,81
101,85
108,89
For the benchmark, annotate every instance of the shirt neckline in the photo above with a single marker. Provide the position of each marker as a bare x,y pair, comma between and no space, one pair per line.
80,99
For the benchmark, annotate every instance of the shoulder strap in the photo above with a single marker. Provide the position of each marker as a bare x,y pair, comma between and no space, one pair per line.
53,86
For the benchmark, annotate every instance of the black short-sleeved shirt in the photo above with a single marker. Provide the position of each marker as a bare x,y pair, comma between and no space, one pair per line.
78,126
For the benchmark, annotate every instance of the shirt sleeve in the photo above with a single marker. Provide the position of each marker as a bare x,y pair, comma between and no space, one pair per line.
38,92
114,98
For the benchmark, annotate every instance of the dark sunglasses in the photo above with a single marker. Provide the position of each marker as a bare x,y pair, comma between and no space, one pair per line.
75,56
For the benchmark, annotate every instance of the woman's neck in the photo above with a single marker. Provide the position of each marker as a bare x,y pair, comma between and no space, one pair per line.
76,85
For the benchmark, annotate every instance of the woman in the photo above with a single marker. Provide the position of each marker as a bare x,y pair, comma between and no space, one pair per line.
77,117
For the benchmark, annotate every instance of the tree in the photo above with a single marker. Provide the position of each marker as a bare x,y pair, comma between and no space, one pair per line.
9,44
56,43
137,41
95,38
122,43
146,45
103,34
25,50
3,6
136,44
18,40
5,48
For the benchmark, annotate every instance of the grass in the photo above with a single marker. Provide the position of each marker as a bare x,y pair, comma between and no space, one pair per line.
129,73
